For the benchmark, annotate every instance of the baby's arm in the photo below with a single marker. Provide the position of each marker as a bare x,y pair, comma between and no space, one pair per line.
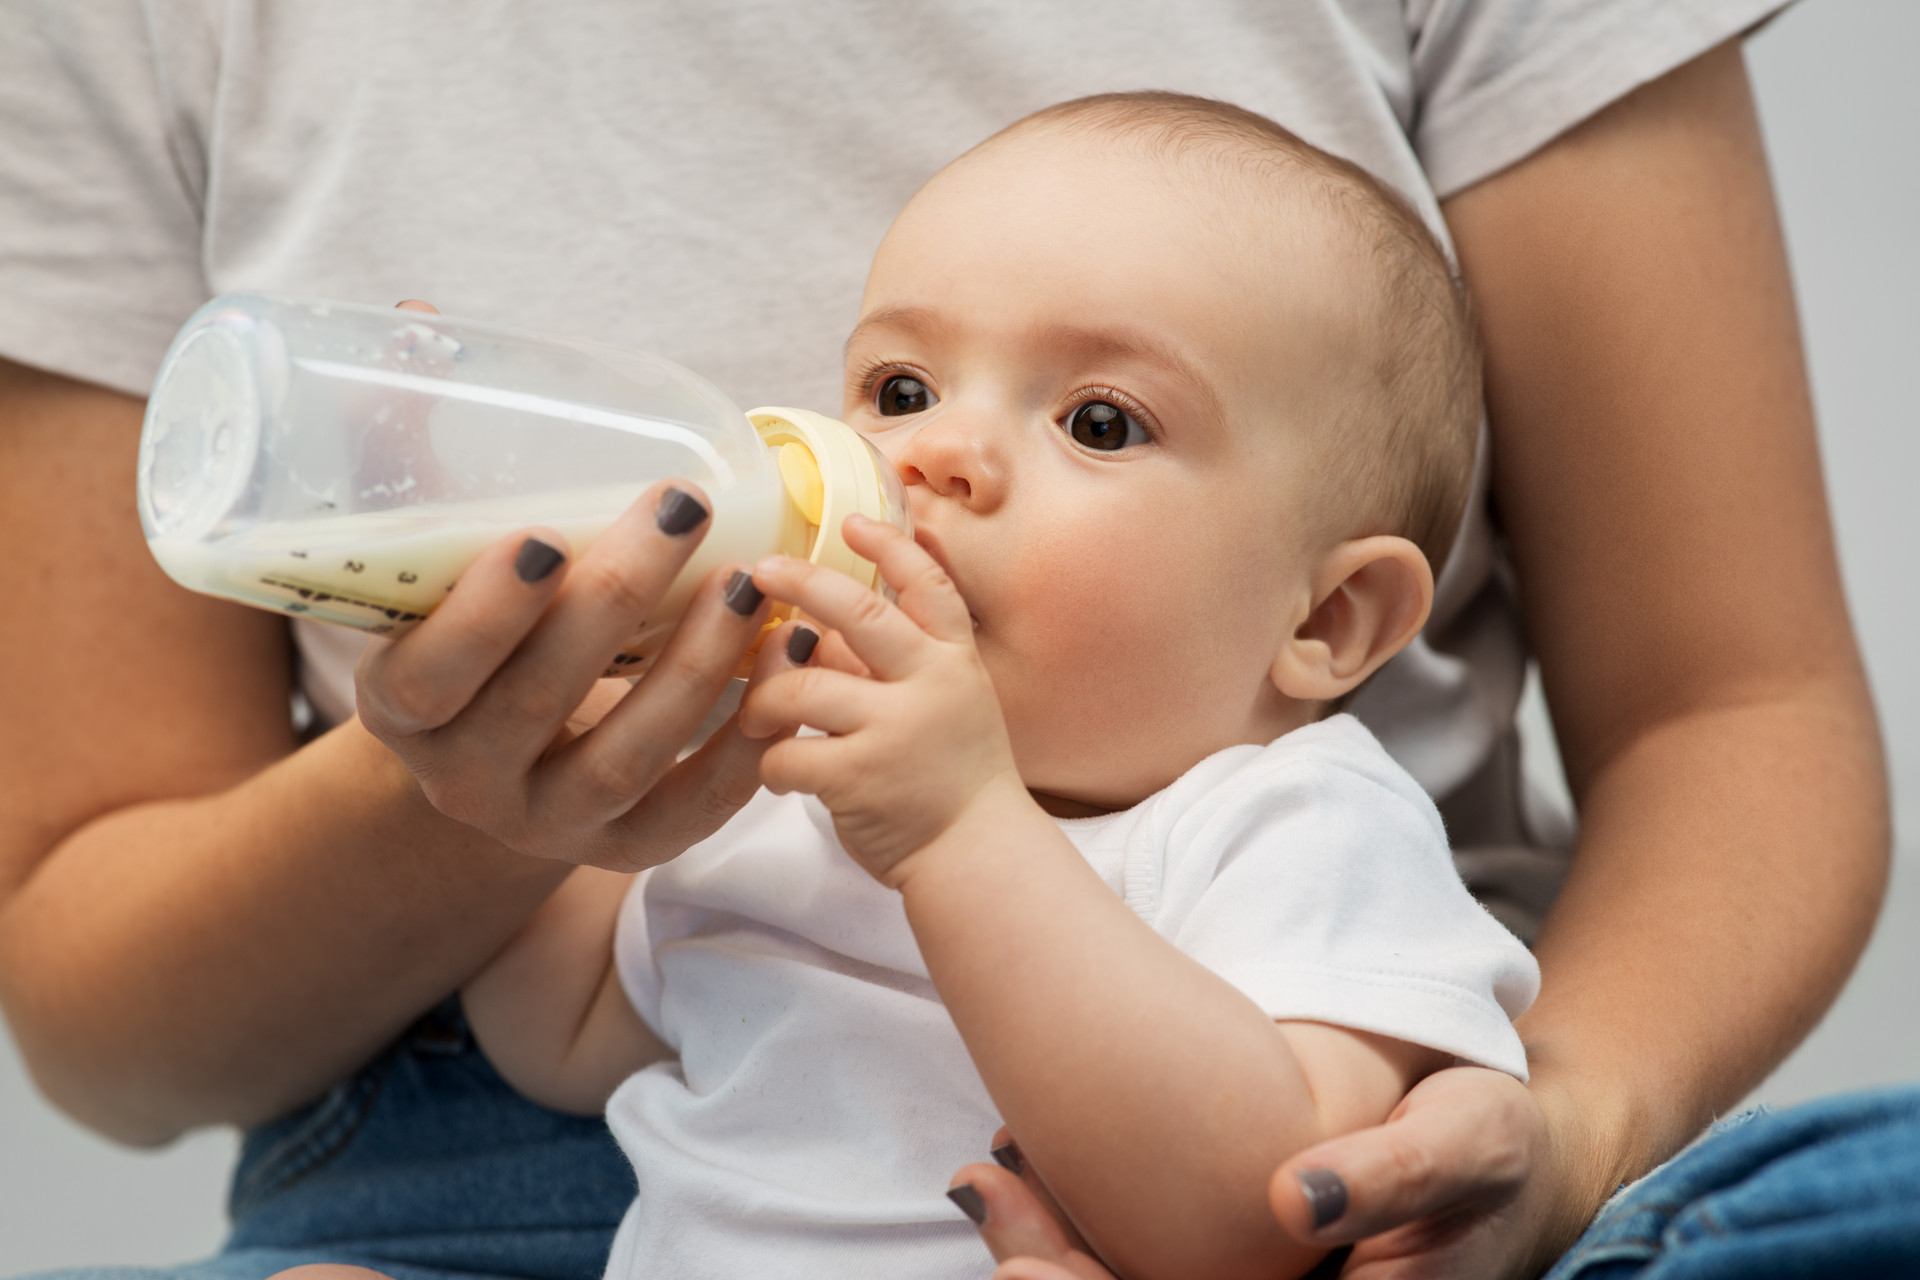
1153,1097
549,1009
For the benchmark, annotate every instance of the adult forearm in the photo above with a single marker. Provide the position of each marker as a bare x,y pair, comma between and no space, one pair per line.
1730,864
223,958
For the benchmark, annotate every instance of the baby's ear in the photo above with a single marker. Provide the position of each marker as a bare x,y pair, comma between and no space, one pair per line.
1370,597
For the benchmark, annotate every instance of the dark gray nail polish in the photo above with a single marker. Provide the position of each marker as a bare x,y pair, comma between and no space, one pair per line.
970,1202
1007,1156
800,645
741,595
1326,1193
536,560
679,512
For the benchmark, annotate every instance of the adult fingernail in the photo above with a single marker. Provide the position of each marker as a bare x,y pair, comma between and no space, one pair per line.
1008,1157
741,595
537,559
1326,1193
970,1201
800,645
679,512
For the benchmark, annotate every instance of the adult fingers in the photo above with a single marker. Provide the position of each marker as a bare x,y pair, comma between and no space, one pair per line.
428,676
883,637
834,655
1464,1138
1007,1154
607,596
1012,1220
697,796
602,773
926,594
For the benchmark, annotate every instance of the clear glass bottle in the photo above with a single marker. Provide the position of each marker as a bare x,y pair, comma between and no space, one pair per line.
345,463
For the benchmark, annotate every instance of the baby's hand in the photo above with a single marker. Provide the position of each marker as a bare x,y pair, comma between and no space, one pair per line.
916,742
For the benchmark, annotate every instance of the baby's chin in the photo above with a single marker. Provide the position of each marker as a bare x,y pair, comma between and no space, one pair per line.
1086,786
1061,807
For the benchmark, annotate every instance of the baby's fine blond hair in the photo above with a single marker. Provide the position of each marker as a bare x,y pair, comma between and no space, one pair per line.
1404,456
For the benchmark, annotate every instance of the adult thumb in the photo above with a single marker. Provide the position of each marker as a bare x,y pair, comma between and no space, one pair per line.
1463,1138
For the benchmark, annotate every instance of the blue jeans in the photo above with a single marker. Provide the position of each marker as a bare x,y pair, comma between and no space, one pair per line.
426,1165
1831,1188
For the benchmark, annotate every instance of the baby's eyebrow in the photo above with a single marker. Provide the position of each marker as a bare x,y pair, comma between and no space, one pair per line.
1126,343
919,322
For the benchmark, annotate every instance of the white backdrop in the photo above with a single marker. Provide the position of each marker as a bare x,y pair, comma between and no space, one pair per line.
1834,80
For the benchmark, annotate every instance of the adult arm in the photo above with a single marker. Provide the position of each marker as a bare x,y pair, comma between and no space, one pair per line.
1657,473
198,922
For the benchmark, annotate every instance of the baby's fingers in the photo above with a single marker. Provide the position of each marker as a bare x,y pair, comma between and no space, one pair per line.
830,701
927,594
887,640
807,765
836,655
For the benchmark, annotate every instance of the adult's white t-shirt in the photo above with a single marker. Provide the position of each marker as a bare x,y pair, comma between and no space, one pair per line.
820,1098
709,182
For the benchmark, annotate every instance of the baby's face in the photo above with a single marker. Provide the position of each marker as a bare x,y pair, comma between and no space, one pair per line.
1106,393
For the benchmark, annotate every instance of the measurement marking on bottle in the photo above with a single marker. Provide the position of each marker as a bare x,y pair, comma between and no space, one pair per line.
311,596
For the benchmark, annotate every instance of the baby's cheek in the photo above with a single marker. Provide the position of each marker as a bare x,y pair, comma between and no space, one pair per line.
1106,673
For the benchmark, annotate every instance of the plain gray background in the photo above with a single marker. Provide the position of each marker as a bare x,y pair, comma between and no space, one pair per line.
1834,82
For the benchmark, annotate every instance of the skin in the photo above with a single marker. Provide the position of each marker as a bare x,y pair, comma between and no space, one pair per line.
147,853
165,848
1111,692
1657,474
961,716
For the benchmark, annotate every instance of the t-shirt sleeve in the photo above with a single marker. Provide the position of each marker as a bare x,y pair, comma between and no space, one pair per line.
1320,885
1496,80
100,183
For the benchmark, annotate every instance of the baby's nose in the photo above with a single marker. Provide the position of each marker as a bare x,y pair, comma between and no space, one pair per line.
956,461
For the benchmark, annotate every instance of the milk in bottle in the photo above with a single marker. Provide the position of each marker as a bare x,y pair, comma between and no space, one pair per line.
345,463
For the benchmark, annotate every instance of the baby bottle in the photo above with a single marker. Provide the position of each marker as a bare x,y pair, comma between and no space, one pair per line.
344,463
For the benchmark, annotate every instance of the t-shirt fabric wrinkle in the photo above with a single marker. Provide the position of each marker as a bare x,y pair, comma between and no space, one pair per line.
822,1097
709,183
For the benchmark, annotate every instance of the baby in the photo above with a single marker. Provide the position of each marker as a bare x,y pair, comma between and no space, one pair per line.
1077,840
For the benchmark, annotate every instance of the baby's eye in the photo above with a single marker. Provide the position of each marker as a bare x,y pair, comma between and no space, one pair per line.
902,394
1099,425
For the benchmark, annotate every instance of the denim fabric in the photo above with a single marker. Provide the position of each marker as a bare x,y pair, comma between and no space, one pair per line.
425,1165
1829,1189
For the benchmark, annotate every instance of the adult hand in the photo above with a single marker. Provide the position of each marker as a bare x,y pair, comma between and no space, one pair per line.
1461,1181
496,703
1021,1224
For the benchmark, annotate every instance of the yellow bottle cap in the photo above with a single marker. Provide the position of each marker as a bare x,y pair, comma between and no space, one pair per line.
830,472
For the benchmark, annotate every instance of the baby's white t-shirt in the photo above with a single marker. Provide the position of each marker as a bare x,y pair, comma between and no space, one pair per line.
822,1098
